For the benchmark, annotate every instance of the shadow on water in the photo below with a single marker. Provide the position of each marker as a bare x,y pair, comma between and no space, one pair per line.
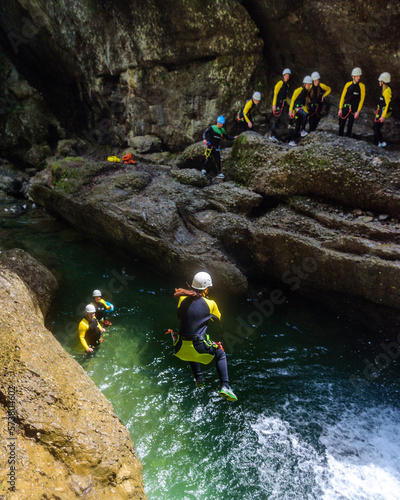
301,428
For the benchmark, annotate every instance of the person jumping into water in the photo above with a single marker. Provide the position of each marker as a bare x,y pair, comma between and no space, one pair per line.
192,343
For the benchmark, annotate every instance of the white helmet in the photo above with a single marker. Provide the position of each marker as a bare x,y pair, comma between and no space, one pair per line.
315,75
96,293
286,71
356,72
307,79
257,96
385,77
201,281
90,309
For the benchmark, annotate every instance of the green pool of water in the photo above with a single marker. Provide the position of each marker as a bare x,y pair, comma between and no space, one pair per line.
300,430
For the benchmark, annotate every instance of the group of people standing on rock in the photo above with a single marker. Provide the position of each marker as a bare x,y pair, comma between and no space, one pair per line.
307,102
304,106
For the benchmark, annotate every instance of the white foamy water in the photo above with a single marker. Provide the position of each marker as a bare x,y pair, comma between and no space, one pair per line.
356,458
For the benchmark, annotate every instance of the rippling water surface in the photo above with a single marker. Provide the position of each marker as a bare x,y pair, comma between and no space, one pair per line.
300,430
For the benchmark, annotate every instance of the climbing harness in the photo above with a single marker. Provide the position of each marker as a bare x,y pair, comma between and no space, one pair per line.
350,111
315,112
187,351
279,111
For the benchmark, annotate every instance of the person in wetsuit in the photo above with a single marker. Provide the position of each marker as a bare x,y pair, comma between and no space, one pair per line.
246,113
192,343
317,94
211,138
298,109
101,307
281,91
90,330
384,109
351,102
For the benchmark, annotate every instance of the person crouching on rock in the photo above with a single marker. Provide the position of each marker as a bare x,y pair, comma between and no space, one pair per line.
245,115
211,138
90,330
298,109
384,109
192,343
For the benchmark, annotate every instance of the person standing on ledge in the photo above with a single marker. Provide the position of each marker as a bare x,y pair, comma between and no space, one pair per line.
246,113
318,92
384,109
192,343
351,102
281,91
211,138
90,330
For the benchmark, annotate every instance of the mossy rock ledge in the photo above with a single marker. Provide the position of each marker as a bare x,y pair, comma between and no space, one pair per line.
331,204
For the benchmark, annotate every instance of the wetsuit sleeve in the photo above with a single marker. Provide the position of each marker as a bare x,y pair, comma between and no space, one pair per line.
295,95
214,311
179,305
229,137
362,98
207,131
387,95
327,90
344,94
102,301
277,88
246,109
83,328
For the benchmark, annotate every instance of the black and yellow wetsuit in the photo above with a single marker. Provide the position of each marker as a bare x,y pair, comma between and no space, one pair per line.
316,96
245,115
281,97
193,343
384,109
213,136
351,101
298,105
90,333
101,307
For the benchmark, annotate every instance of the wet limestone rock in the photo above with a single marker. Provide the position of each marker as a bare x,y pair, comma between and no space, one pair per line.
68,441
151,221
331,204
41,283
120,72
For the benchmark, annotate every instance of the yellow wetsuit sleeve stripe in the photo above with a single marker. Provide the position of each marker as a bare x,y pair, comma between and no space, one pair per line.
387,95
344,94
213,308
247,109
294,97
102,301
277,88
83,328
362,90
326,88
